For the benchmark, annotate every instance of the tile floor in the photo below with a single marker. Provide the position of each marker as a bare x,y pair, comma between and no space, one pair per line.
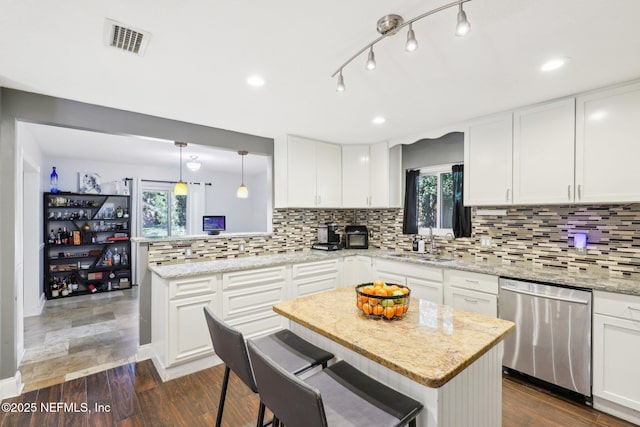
78,336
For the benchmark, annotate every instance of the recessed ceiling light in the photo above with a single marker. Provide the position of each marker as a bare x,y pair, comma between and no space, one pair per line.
378,120
554,64
255,81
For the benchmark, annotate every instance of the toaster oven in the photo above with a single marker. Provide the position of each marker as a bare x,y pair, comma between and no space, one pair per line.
356,237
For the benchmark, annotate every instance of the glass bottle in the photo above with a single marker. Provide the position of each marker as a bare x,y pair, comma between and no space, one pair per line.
116,257
124,258
53,180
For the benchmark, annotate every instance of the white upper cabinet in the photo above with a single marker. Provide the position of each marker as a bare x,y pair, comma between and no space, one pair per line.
307,173
488,161
608,145
355,176
543,153
371,176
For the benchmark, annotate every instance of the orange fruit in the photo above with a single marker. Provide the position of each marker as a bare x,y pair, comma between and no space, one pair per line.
389,312
390,290
367,290
378,283
404,290
363,298
359,305
399,309
378,310
405,307
381,292
366,308
373,301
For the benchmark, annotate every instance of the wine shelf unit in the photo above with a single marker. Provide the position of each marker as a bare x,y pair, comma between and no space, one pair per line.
87,247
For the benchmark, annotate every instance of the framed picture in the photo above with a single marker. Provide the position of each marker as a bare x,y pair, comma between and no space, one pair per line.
89,182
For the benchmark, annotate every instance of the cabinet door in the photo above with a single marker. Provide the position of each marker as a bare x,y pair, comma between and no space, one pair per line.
189,337
301,177
607,145
543,153
356,270
616,351
477,302
488,162
329,175
425,289
379,175
355,176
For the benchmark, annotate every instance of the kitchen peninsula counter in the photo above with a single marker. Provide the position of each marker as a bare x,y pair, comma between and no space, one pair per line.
589,279
450,360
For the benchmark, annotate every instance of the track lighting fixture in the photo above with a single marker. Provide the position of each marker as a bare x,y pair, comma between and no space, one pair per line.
341,86
389,25
371,60
463,26
412,43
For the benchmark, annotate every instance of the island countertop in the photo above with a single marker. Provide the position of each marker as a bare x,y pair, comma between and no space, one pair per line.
430,345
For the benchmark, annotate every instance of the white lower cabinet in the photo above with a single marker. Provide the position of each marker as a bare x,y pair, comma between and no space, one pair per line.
313,277
424,281
248,297
616,352
470,291
180,332
356,269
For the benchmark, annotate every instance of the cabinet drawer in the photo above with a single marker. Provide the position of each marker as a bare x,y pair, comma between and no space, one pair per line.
474,281
408,269
257,298
191,286
617,305
261,276
477,302
425,289
315,284
259,323
315,268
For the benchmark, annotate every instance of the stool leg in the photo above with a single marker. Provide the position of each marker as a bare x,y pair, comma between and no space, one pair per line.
223,395
261,415
412,423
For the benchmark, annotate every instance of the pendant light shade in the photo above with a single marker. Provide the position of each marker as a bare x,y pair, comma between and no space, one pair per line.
180,188
243,191
463,26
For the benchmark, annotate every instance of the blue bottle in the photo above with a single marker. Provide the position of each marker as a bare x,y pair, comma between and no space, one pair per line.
53,180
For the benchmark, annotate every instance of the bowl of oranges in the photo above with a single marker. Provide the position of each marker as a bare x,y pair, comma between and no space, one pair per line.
381,300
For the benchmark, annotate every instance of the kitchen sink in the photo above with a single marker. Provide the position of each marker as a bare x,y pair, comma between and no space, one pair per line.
436,259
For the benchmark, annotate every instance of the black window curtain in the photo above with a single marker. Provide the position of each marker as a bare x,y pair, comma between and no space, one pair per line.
410,219
461,215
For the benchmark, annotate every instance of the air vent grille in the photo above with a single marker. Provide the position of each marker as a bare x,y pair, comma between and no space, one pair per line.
126,38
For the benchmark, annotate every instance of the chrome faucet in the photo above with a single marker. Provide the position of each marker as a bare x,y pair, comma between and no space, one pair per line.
432,243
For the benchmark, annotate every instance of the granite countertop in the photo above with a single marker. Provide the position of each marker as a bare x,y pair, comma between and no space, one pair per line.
430,345
591,279
191,237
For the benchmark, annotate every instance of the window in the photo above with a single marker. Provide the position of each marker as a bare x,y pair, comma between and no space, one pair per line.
435,198
163,213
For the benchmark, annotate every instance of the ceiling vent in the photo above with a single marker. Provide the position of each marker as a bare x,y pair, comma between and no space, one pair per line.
126,38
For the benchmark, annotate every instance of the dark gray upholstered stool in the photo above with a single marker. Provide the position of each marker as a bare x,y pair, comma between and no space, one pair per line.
294,354
339,395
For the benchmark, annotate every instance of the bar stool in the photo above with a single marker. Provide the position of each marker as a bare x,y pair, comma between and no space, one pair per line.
339,395
294,354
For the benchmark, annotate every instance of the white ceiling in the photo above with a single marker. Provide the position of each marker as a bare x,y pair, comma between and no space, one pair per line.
202,51
80,144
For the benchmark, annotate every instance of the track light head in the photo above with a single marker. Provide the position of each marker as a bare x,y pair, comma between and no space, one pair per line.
463,26
341,87
412,43
371,60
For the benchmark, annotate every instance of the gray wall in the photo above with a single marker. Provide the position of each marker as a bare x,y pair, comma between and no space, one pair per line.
24,106
431,152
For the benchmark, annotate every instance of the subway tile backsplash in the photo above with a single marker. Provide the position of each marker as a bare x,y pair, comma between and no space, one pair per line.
538,235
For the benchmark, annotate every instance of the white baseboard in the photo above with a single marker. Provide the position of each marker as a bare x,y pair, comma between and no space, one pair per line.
145,352
616,410
10,387
183,369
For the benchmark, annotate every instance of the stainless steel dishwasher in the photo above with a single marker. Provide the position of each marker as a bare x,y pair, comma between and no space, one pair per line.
552,339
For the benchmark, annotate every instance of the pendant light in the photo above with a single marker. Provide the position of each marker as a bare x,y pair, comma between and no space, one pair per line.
243,191
181,187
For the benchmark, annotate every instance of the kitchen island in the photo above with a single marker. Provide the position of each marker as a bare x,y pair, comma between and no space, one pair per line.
450,360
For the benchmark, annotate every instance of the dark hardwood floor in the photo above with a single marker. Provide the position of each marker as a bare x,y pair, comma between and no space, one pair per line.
134,395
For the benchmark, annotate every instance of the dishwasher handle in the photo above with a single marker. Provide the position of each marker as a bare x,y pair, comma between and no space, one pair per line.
534,294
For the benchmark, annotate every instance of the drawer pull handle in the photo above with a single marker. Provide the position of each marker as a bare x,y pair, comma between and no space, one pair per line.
634,309
475,282
471,301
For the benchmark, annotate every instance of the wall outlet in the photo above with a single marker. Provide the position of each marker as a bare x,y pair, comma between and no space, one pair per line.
485,241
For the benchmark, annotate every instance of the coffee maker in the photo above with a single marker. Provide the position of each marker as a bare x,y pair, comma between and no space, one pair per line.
328,238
